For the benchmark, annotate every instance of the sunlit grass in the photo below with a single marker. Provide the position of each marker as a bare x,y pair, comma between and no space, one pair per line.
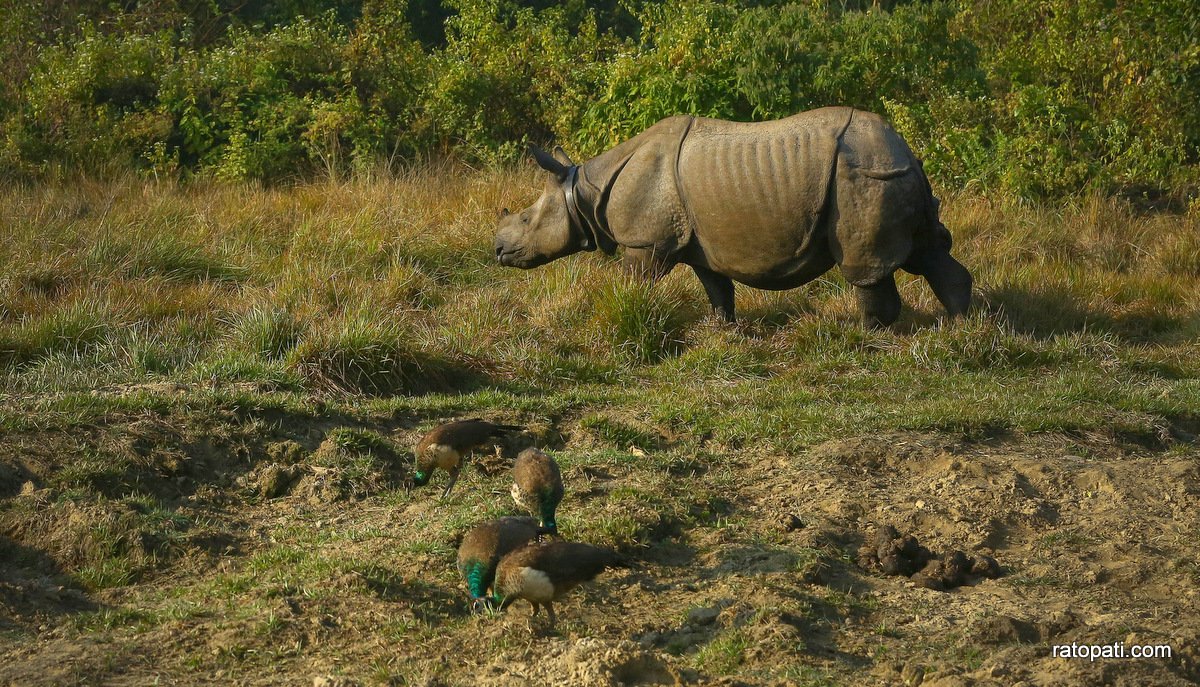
346,317
386,287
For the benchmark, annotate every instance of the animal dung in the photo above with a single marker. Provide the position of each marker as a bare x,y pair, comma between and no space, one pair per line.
891,553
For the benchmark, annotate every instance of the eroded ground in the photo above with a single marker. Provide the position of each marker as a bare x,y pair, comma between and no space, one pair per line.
260,548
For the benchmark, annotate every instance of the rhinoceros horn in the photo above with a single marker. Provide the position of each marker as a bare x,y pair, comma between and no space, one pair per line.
548,162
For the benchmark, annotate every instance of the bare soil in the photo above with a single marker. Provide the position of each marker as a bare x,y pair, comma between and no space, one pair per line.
1097,541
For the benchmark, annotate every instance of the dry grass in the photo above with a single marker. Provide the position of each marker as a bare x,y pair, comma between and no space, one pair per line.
111,276
229,318
387,288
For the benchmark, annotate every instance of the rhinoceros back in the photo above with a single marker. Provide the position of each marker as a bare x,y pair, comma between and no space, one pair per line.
881,204
758,192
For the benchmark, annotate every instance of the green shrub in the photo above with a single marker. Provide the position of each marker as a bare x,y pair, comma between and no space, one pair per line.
797,57
507,74
243,109
685,63
1088,94
94,102
1035,97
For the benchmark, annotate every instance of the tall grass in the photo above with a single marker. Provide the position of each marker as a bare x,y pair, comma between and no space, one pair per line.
644,323
72,330
386,287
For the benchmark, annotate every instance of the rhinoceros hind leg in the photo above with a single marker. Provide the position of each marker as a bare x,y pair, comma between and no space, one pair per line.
720,291
879,302
950,281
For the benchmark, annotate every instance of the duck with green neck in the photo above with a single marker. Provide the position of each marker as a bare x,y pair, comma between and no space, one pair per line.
447,446
537,487
482,548
541,572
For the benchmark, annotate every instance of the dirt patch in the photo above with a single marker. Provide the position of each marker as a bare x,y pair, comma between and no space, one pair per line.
588,662
257,576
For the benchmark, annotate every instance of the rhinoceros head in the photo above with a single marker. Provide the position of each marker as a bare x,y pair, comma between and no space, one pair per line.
543,231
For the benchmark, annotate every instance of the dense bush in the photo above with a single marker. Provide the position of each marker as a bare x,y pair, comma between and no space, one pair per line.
685,62
1037,97
1089,93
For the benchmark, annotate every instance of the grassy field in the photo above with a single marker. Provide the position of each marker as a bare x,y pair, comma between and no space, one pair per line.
210,395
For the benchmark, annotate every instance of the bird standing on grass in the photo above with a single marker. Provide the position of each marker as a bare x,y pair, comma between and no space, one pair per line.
481,549
542,572
446,446
537,487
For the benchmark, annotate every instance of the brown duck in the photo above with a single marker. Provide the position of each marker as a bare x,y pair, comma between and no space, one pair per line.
542,572
446,446
537,486
483,546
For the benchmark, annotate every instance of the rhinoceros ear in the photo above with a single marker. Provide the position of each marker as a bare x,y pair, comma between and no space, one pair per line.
561,156
547,162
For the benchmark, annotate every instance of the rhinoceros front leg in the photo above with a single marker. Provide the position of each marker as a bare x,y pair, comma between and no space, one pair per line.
720,291
879,303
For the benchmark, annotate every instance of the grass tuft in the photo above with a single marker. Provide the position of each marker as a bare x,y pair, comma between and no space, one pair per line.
363,462
645,322
267,331
724,653
73,330
166,256
361,356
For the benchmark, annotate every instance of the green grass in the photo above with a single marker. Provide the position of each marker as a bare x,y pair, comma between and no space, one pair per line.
723,654
344,317
365,356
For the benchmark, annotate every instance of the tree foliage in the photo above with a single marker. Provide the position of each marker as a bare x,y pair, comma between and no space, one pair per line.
1037,97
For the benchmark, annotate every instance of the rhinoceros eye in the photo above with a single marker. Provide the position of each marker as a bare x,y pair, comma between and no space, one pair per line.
524,218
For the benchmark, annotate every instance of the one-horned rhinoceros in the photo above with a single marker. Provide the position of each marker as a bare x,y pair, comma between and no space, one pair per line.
772,205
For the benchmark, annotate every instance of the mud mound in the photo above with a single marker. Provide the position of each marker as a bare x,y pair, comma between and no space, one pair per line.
350,463
589,662
108,542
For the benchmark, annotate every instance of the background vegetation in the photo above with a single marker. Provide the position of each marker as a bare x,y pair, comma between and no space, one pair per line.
1037,97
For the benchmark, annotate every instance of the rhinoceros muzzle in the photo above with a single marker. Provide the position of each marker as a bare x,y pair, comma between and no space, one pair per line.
508,255
517,256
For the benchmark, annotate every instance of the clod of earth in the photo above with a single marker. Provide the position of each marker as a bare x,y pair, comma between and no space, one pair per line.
275,480
703,615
